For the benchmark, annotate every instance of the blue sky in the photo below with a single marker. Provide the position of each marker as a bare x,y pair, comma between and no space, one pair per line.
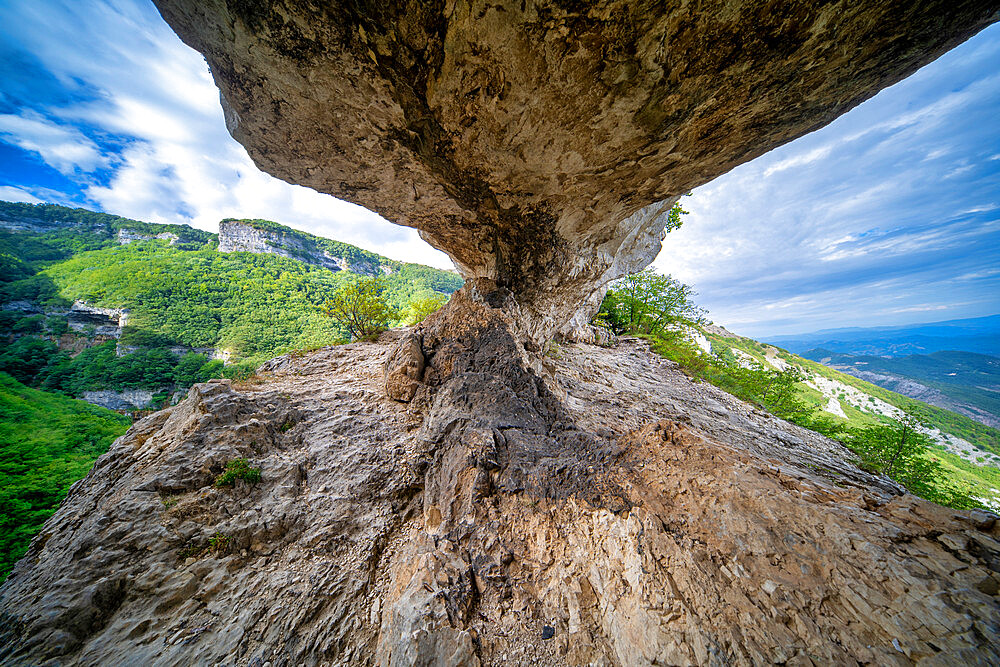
890,215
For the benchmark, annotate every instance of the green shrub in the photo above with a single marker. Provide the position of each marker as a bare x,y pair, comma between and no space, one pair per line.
238,469
901,451
219,544
419,308
360,307
56,325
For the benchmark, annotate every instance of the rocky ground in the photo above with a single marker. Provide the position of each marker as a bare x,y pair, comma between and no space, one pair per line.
677,526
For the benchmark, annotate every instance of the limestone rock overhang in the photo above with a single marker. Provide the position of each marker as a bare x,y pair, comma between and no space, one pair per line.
541,143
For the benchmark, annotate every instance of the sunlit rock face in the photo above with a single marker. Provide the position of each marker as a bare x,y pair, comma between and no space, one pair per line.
540,143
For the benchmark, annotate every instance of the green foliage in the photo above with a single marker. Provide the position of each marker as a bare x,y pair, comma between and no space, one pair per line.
27,357
238,469
56,325
30,324
361,308
898,450
193,368
648,303
771,389
12,268
61,227
421,307
38,362
253,305
219,544
901,451
47,442
953,423
674,216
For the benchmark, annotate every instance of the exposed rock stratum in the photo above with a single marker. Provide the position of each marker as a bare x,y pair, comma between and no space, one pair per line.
450,495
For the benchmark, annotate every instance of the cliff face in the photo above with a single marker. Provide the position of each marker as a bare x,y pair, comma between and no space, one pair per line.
243,236
615,514
540,144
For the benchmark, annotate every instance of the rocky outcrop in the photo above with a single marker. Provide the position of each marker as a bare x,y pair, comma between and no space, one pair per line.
592,506
126,236
541,143
107,322
239,236
127,399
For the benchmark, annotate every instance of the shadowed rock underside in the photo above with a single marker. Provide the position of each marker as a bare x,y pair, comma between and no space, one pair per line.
540,144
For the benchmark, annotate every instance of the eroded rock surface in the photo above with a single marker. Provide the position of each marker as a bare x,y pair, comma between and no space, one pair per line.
588,507
541,143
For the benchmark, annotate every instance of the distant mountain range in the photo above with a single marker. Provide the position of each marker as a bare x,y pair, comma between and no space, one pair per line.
980,335
965,382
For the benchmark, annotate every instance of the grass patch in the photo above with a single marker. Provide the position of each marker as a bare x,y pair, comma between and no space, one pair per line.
238,469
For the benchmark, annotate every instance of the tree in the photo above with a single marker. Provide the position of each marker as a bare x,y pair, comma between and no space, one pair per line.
27,357
902,451
421,307
361,308
649,303
674,216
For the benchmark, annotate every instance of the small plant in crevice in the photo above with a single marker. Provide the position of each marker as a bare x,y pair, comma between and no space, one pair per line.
238,469
218,544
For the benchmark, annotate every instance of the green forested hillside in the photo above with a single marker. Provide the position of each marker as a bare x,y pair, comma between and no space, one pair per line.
181,293
953,423
47,442
253,306
967,381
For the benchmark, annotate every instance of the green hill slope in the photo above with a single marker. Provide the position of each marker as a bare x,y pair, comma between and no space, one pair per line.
180,291
832,401
47,443
864,402
963,382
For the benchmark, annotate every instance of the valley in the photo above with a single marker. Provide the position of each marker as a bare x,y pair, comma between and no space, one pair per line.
963,382
165,306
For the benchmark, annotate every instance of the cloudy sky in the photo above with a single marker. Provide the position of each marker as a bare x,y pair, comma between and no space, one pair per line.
889,215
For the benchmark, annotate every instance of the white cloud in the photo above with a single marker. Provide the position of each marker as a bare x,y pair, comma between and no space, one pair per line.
63,148
11,193
927,307
800,160
180,165
856,224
